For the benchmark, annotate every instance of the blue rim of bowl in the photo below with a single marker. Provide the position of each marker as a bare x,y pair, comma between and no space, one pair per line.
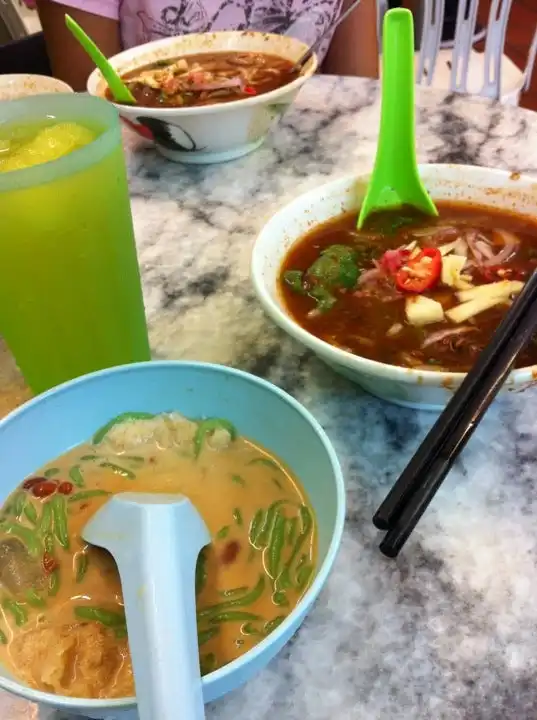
91,705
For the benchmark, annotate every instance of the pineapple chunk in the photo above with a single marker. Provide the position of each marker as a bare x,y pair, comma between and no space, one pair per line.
421,310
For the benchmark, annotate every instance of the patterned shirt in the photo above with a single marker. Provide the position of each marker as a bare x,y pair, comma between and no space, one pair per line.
145,20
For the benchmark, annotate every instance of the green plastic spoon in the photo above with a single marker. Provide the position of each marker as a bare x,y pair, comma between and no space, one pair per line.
119,90
395,180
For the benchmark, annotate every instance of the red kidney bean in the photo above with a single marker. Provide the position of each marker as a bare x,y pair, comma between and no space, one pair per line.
44,488
65,488
28,484
49,563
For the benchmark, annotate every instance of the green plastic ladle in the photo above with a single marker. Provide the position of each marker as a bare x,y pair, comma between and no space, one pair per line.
395,180
119,90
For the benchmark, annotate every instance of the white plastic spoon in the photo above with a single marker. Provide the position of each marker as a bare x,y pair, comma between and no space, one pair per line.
155,541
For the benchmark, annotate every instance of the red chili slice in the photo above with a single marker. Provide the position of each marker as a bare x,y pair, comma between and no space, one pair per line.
421,272
44,488
249,90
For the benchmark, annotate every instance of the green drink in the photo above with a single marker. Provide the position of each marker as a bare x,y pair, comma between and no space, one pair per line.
70,293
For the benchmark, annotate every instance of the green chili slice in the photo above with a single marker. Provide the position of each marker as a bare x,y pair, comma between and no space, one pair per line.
243,601
249,629
255,527
303,576
118,470
273,624
237,516
124,417
277,541
108,618
75,473
54,583
291,533
45,521
205,635
19,501
59,514
31,513
48,542
207,663
33,599
223,533
18,611
265,534
280,598
81,566
51,472
206,427
201,571
234,616
87,495
234,592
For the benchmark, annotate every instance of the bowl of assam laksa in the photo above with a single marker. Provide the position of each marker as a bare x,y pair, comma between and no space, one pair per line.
256,465
404,307
209,97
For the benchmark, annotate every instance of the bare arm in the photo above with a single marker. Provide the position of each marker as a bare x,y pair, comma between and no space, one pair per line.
354,47
69,62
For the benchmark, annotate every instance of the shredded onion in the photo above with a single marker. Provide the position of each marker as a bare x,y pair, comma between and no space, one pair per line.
373,274
222,84
511,243
443,334
484,248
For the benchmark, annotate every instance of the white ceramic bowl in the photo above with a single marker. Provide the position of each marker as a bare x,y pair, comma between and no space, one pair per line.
211,133
403,386
22,85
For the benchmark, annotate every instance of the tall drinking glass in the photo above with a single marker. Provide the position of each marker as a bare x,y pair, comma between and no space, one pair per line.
70,293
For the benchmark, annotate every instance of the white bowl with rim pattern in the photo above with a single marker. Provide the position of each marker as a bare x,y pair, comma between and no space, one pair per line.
19,85
209,133
424,389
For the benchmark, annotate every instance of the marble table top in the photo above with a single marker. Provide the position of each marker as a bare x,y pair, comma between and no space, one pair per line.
449,629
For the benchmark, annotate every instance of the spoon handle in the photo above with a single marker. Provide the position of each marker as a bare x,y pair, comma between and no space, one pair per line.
396,143
155,541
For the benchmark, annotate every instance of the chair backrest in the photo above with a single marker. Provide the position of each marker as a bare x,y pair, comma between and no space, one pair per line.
433,16
462,56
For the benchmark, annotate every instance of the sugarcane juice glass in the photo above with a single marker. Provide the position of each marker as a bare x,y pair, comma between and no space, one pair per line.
70,292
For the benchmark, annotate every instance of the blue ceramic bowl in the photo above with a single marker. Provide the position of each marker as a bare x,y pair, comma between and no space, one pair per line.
66,416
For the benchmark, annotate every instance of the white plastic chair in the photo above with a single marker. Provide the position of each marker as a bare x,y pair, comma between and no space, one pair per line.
463,70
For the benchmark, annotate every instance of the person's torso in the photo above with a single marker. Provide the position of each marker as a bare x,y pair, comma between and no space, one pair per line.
146,20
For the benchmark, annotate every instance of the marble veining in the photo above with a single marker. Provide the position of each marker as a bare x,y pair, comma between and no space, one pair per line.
448,630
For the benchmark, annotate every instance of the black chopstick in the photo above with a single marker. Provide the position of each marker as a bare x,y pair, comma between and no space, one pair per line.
400,511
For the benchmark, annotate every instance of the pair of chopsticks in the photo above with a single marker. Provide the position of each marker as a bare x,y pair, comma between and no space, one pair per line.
410,496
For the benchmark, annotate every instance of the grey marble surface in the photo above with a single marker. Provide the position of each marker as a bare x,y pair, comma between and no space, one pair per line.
449,630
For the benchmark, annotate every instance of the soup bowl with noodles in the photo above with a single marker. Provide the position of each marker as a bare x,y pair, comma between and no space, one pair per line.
209,97
403,308
259,469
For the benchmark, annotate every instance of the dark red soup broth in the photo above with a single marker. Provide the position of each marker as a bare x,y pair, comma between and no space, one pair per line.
411,291
207,79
